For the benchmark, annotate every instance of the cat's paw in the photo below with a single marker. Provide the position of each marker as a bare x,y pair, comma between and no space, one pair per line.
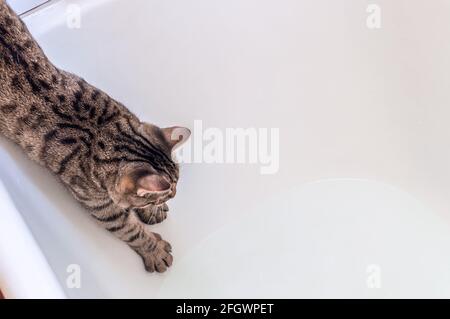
153,214
158,259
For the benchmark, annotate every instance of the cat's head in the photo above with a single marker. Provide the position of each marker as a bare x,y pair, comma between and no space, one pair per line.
149,176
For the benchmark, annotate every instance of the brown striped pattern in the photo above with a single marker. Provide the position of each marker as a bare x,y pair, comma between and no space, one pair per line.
91,142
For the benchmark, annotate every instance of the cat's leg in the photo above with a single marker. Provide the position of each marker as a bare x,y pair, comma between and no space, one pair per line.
125,225
152,214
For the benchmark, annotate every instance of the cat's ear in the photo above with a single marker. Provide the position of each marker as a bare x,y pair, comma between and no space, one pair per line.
176,136
142,183
151,184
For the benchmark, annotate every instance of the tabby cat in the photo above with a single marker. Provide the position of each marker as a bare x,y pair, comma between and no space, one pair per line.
120,169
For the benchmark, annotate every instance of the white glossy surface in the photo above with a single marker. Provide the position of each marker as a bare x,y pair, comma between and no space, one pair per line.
21,6
24,271
363,117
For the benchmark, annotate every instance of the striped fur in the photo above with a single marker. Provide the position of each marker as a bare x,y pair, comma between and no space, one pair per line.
98,149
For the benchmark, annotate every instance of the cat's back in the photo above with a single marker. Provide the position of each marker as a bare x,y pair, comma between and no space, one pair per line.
25,77
45,109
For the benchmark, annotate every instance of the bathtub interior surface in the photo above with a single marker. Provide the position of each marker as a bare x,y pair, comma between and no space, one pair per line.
21,6
363,181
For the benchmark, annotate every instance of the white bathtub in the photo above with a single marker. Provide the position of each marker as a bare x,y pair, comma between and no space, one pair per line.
360,205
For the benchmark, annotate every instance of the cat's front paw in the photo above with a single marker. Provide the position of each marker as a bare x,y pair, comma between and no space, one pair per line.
153,214
159,258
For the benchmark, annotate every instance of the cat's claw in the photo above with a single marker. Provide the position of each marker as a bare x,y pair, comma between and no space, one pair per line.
159,259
